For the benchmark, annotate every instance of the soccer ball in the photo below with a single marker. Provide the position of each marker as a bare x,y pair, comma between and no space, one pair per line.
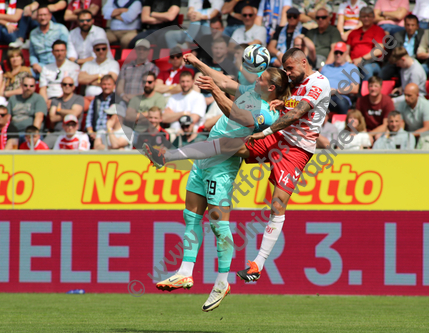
256,58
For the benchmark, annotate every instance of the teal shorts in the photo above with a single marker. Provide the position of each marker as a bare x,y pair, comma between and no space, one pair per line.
214,183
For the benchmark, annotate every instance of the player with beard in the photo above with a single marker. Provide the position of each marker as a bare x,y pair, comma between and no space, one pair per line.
294,134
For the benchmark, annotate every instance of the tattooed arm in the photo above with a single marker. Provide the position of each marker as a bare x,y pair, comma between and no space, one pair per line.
285,121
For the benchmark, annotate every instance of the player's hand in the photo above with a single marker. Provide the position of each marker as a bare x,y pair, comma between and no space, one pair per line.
206,83
276,104
257,136
190,58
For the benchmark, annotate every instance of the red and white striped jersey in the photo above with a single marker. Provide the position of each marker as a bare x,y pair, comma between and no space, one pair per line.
79,141
316,91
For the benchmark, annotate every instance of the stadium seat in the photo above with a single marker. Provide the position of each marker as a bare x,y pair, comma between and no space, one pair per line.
126,53
338,117
113,51
162,63
333,19
427,89
180,19
26,54
386,87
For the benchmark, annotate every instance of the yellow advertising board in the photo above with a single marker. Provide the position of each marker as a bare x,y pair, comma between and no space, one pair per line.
127,181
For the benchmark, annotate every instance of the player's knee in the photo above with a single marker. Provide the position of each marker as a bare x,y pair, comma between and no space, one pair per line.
277,207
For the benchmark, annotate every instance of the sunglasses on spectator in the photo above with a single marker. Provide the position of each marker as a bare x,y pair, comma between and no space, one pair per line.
3,115
324,17
101,49
176,56
290,16
71,124
247,15
67,84
87,21
150,82
29,85
338,52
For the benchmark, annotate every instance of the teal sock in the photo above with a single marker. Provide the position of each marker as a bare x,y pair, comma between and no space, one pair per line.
225,249
193,237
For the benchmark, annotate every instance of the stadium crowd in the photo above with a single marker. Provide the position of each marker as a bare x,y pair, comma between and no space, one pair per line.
70,82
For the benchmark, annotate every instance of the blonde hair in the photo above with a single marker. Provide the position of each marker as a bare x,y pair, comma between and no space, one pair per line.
358,115
279,79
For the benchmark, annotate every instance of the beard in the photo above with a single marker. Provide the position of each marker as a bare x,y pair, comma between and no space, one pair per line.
298,79
85,28
148,90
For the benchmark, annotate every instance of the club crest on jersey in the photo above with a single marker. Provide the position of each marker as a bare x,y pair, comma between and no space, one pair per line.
315,92
301,91
260,119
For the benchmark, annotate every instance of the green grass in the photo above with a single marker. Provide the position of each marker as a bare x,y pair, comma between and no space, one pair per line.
237,313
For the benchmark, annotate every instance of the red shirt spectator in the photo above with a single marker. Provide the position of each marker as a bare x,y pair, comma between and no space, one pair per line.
40,145
72,139
75,6
361,41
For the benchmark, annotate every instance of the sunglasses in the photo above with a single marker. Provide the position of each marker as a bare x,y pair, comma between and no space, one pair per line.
176,56
3,115
292,16
247,15
338,52
85,21
150,82
324,17
98,49
67,84
71,124
29,85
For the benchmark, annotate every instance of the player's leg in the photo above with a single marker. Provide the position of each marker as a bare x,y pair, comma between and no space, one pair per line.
219,189
196,204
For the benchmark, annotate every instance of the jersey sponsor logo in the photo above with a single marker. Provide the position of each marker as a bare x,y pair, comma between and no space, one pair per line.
315,92
260,119
269,230
291,103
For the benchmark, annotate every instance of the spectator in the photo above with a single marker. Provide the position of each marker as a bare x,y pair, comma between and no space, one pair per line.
284,36
130,82
168,81
348,17
29,108
219,60
421,10
410,39
271,14
375,106
357,130
423,51
12,79
76,7
72,139
188,102
234,19
52,74
96,118
320,41
389,14
124,16
200,12
81,39
140,104
309,9
395,137
251,33
414,110
42,38
155,135
68,103
328,133
32,140
157,14
92,71
8,132
189,135
361,44
116,136
337,73
10,14
216,32
410,70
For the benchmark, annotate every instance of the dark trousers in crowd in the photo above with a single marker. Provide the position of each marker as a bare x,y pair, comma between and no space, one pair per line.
342,105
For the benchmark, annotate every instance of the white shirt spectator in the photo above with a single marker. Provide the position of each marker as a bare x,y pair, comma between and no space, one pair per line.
198,6
51,77
123,132
241,36
80,48
79,141
359,140
421,9
193,102
272,4
91,67
130,19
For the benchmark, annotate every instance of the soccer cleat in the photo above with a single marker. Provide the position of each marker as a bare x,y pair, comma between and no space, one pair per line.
250,274
177,281
155,155
215,297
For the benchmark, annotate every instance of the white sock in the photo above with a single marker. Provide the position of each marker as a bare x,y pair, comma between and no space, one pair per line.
221,280
271,234
194,151
186,268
